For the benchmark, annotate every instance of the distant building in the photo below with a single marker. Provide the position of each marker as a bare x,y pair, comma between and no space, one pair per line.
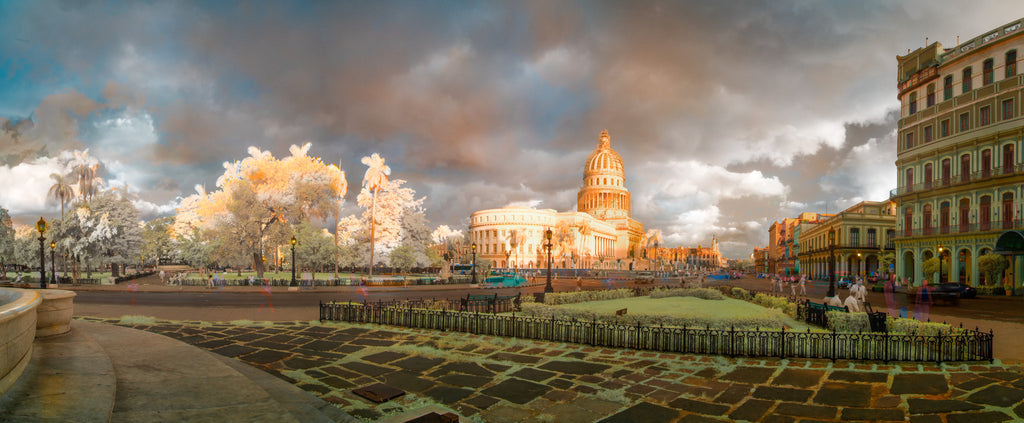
960,173
856,238
760,258
600,234
782,257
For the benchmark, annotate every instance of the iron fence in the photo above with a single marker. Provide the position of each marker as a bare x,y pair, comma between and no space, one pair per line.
958,345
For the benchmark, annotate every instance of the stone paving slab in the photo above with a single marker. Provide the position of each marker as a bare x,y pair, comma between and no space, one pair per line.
493,379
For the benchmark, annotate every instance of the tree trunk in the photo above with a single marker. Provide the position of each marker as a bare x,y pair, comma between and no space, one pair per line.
114,270
258,264
373,218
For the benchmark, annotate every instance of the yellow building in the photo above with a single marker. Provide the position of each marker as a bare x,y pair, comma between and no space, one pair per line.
600,234
852,242
960,176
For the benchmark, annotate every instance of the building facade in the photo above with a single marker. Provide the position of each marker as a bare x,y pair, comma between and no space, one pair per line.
852,242
600,234
782,245
959,163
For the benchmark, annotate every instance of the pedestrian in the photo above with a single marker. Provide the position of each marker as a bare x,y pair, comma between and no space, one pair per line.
852,304
251,280
792,288
265,292
133,288
924,301
163,277
803,285
579,284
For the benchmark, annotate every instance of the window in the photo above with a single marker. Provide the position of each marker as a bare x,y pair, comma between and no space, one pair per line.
908,220
947,88
1008,159
927,134
965,168
910,180
986,72
986,163
926,219
944,217
931,95
871,237
944,128
965,122
913,103
1011,63
945,171
984,116
854,237
965,213
928,176
1008,109
910,140
985,213
1008,210
966,81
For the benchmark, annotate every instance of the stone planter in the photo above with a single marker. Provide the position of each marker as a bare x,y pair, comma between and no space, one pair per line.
54,314
17,332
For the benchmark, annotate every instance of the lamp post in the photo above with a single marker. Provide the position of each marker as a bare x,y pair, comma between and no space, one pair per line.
473,247
294,241
940,263
41,227
859,266
53,264
547,245
832,263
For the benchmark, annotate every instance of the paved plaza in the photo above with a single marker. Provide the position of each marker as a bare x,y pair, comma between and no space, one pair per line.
491,379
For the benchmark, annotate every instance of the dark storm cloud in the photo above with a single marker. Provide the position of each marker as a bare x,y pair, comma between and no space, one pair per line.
480,104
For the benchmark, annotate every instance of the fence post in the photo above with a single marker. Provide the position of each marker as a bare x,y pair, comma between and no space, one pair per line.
732,341
834,342
941,354
782,343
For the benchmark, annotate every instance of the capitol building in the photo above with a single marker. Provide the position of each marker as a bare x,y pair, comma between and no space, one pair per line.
600,234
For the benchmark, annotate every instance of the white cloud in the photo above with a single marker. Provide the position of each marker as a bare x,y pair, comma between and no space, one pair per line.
26,186
868,173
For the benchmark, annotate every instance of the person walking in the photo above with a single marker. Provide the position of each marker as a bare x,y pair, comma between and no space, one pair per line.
803,285
265,292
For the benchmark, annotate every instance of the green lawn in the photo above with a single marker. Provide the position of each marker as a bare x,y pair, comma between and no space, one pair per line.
728,308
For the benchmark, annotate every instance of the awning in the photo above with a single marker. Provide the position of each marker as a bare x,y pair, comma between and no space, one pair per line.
1010,243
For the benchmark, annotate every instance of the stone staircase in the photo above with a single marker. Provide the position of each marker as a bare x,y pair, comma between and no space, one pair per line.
105,373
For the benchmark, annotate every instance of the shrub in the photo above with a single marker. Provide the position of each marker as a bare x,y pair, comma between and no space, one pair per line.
911,326
584,296
770,319
702,293
739,294
841,321
780,303
991,290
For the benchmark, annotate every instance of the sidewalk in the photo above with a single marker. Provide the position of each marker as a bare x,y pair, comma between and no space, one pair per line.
99,373
492,379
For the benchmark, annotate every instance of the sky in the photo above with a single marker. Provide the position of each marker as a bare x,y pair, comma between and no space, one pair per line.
728,115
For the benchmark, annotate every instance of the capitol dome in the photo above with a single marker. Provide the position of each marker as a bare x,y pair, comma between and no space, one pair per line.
604,193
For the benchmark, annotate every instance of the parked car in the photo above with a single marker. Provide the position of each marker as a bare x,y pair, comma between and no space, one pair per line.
878,287
506,280
939,294
965,291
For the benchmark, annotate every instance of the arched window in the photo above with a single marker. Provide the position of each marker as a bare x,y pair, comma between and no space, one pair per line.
947,88
1008,159
985,213
926,219
913,103
930,99
986,72
965,168
1011,63
1008,215
966,81
965,215
946,171
908,221
986,163
944,217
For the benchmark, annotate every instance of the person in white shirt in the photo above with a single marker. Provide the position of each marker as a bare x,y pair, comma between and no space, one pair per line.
852,304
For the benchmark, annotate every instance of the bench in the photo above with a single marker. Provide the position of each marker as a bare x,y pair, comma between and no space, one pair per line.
816,313
491,301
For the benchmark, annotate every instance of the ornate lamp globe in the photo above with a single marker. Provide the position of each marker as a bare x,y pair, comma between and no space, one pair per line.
41,225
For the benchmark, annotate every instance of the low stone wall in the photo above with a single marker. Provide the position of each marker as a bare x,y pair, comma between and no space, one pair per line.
54,313
17,332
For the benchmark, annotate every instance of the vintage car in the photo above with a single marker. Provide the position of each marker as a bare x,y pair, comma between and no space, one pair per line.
506,280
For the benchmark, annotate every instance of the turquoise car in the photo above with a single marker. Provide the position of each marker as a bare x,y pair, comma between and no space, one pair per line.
506,280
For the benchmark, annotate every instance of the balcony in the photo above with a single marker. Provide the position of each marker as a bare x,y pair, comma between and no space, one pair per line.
978,227
964,179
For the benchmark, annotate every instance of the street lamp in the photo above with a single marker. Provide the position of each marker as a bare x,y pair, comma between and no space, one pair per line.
53,264
547,237
473,247
940,263
832,263
294,241
41,227
859,264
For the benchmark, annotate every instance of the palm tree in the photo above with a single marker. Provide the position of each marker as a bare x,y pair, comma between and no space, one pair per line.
88,180
62,191
376,177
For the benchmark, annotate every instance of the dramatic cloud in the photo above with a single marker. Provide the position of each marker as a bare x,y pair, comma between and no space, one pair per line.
729,115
